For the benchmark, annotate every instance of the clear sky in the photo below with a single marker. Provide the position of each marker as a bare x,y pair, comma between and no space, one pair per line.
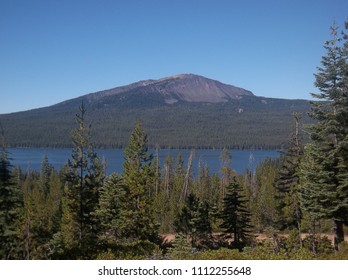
53,50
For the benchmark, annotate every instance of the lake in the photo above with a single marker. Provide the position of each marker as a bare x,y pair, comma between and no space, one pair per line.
31,159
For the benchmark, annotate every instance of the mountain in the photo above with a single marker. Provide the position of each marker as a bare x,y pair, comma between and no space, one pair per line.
185,87
180,111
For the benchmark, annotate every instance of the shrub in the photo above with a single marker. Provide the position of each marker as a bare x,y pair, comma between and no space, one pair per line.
220,254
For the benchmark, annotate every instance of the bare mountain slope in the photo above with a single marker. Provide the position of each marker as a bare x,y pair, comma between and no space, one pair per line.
184,87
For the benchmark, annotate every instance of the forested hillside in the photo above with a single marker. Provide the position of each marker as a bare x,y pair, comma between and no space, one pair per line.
241,121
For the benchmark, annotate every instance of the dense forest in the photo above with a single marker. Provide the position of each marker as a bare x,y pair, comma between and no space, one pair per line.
295,207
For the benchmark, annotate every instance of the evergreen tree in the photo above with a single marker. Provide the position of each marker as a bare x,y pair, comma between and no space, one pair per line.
235,215
46,170
194,219
203,188
10,207
164,209
226,171
260,191
204,228
287,181
42,211
168,176
108,213
173,181
84,179
181,248
136,218
178,183
33,229
54,204
326,184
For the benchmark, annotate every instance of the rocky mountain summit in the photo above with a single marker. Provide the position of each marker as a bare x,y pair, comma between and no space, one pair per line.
183,87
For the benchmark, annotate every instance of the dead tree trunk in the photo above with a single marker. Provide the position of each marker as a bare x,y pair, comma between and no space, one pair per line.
338,234
185,189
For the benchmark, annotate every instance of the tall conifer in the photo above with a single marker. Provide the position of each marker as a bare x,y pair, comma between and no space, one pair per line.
288,177
111,196
10,206
235,215
325,187
84,179
136,218
193,219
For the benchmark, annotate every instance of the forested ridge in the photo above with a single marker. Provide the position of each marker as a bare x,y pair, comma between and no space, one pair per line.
286,209
247,123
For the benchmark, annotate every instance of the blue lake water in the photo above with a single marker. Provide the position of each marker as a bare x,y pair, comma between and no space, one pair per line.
31,159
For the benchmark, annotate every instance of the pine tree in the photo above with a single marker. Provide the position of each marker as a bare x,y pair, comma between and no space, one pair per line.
163,205
203,188
287,180
181,248
34,230
260,192
311,193
84,179
168,176
235,215
136,218
54,203
46,171
326,185
10,206
111,196
42,211
178,183
227,172
194,219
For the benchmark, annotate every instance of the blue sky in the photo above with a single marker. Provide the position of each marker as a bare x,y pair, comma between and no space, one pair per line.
51,51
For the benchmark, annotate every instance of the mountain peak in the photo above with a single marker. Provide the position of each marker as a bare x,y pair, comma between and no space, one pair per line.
181,76
181,87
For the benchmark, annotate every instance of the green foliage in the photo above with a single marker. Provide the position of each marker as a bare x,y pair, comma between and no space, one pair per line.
194,220
227,174
135,250
265,251
42,236
84,179
46,171
220,254
294,241
136,217
342,254
324,170
112,194
235,216
292,210
181,248
10,207
287,193
318,245
260,190
301,254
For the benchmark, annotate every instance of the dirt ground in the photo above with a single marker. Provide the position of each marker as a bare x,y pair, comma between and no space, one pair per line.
167,238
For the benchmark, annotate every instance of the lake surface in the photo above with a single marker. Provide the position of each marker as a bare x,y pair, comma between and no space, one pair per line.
31,159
